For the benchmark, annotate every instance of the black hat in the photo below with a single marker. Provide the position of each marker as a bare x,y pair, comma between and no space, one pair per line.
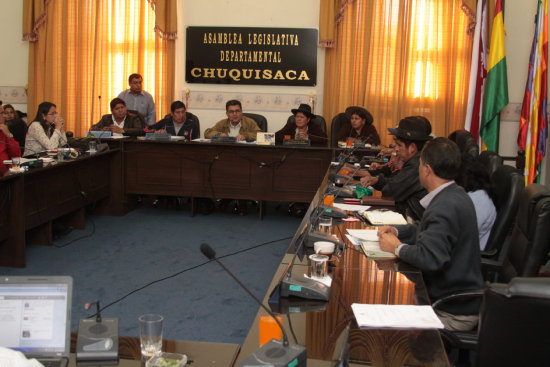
305,109
413,128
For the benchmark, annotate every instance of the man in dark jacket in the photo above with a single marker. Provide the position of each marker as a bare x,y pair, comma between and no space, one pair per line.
178,123
403,185
302,129
119,122
445,244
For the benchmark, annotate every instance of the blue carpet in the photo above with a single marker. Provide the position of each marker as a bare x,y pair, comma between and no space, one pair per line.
126,253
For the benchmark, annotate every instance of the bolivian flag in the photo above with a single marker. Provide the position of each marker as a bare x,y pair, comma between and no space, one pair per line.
496,87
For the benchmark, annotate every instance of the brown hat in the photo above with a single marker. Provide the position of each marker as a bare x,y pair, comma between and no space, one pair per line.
413,128
305,109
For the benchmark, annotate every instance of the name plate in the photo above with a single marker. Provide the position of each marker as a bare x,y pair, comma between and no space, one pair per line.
265,138
297,142
157,136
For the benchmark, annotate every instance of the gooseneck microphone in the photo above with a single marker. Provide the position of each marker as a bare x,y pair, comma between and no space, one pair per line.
271,353
88,305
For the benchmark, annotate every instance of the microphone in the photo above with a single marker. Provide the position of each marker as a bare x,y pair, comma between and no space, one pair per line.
273,352
88,305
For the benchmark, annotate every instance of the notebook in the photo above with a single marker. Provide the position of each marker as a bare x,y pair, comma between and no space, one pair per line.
35,316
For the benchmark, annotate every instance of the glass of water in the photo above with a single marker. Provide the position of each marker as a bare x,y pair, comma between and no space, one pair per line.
150,334
324,224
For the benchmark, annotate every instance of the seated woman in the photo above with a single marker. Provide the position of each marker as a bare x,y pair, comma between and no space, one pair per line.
360,129
46,132
474,178
16,126
9,148
301,129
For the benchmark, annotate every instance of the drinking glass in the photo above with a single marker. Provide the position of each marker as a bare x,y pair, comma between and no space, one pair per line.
150,334
92,147
324,224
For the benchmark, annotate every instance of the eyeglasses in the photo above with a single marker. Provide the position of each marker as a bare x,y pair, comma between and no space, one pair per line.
51,113
234,111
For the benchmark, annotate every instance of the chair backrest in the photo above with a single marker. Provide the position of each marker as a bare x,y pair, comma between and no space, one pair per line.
508,183
317,119
491,160
530,240
513,325
139,115
338,121
466,142
260,120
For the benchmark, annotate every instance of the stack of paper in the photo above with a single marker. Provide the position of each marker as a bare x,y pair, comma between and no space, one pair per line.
395,317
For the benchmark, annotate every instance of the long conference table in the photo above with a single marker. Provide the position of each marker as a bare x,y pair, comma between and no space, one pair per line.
107,183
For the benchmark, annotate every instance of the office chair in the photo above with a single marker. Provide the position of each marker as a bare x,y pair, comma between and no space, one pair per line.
261,121
317,119
513,326
465,141
491,160
508,183
338,121
139,115
530,241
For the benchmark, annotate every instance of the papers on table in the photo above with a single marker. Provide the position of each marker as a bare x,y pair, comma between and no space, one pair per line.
351,207
364,234
395,316
368,240
383,217
373,251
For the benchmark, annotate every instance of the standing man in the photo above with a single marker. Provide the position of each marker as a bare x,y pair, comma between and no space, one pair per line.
403,185
119,122
244,128
139,100
445,244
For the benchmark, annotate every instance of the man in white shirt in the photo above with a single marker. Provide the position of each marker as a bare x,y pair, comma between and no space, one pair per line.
139,100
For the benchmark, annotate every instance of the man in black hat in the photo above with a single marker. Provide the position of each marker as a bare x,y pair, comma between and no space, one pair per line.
404,186
301,128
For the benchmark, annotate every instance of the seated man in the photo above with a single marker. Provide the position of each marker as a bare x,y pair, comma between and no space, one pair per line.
139,100
445,244
244,128
403,185
177,123
119,122
301,129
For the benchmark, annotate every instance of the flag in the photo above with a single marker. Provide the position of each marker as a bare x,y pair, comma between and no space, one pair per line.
495,97
533,128
478,71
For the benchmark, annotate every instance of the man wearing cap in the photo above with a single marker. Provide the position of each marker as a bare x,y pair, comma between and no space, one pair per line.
404,186
444,245
301,129
242,127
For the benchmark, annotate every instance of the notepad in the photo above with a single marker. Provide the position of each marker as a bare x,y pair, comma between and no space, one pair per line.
383,217
395,316
373,251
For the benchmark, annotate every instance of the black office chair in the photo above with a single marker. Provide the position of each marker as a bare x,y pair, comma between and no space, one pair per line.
260,120
530,241
513,328
338,121
317,119
139,115
466,142
508,183
491,160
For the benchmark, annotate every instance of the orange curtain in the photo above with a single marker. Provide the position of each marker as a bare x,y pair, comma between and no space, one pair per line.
82,52
398,59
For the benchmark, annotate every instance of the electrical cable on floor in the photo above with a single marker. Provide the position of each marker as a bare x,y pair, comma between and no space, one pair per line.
79,238
186,270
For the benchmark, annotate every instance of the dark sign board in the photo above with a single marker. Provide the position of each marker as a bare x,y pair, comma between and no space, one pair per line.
239,55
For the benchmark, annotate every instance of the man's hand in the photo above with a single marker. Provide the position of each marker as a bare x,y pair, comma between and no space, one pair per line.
387,229
115,129
223,134
389,242
160,131
241,137
59,122
369,181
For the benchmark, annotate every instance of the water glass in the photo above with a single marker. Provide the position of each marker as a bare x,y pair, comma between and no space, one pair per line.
324,224
60,154
92,147
150,334
15,162
319,265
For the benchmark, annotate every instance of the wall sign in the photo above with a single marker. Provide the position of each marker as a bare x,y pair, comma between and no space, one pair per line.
239,55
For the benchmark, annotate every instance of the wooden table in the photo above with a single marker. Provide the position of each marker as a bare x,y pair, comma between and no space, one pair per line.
356,279
198,353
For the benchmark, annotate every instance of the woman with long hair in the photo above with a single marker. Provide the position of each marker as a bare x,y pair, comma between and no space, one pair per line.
46,132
